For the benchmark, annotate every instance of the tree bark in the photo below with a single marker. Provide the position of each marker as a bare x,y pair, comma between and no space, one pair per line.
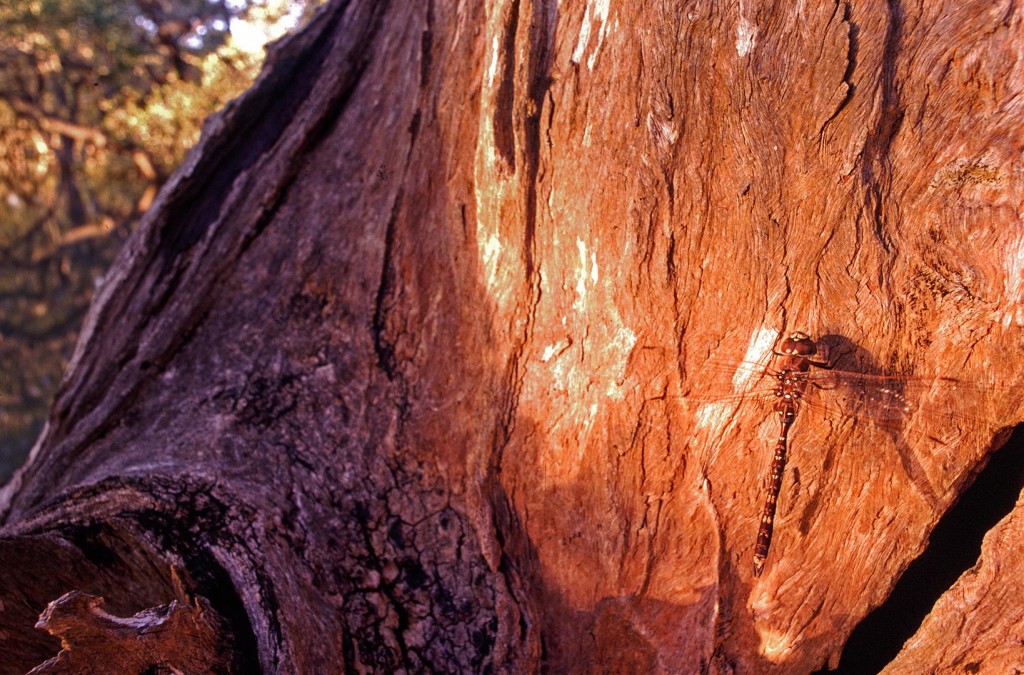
415,364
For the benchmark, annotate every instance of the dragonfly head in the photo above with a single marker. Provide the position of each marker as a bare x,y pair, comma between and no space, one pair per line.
798,344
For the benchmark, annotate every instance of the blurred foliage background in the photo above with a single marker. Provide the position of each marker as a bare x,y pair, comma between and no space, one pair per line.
99,102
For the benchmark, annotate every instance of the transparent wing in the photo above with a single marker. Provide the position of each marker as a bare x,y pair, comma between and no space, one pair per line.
888,401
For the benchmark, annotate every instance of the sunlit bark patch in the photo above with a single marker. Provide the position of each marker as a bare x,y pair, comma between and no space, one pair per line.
775,645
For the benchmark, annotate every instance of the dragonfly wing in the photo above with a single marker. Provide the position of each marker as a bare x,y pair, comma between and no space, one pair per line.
892,401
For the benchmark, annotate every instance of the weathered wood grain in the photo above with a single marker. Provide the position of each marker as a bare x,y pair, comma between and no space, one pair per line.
407,360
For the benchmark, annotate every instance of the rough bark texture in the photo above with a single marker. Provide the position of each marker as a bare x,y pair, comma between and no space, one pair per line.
175,637
978,625
405,369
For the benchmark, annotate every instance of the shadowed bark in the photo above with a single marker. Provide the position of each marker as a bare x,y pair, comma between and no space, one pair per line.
427,357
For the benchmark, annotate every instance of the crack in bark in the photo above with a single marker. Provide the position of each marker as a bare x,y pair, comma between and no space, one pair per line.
426,44
503,120
851,65
382,344
875,169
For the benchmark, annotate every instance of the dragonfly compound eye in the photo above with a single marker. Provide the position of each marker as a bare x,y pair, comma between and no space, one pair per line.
799,344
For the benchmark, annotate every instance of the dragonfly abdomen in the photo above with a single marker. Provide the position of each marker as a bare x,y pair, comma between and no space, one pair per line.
787,413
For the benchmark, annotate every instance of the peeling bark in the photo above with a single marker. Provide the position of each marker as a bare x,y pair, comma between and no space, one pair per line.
173,637
409,366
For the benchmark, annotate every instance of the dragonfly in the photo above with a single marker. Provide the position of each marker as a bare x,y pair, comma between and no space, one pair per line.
797,355
802,366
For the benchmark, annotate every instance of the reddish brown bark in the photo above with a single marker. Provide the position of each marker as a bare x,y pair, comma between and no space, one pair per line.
404,368
176,635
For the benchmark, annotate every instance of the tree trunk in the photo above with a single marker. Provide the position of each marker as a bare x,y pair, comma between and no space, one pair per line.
426,359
